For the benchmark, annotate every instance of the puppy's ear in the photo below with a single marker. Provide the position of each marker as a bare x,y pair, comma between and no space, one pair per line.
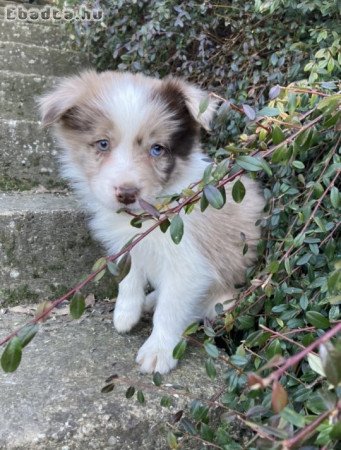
63,97
195,99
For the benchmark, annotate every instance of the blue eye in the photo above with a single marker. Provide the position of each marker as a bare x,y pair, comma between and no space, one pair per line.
102,145
156,150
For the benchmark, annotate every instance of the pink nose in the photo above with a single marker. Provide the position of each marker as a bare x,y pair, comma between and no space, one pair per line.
126,194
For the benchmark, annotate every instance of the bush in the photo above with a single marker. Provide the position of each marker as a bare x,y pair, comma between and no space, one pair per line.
245,51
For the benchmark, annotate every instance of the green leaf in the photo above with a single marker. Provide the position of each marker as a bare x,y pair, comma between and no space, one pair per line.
176,229
108,388
280,154
191,329
292,417
303,260
11,356
203,105
136,222
287,266
166,402
270,112
238,191
124,266
277,136
253,164
199,411
130,392
179,349
171,440
335,197
77,305
214,196
211,349
317,320
221,170
27,333
101,262
335,432
210,369
140,397
273,267
203,203
164,226
315,364
298,164
157,379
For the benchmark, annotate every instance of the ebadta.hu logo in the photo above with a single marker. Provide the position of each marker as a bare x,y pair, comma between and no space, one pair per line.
19,12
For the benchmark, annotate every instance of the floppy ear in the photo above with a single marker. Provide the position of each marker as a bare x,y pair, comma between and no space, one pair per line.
63,97
195,99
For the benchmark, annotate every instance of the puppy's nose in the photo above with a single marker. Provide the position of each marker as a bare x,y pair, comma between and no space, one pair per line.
126,194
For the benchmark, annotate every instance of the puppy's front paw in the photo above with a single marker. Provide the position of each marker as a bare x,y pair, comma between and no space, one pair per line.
126,317
156,356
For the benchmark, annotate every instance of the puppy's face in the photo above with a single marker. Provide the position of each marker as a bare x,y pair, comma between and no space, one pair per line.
127,136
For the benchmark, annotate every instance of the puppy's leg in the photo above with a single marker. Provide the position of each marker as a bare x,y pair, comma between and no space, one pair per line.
177,307
129,303
150,302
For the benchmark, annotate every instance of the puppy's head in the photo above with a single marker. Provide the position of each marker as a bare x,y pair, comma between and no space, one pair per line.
125,135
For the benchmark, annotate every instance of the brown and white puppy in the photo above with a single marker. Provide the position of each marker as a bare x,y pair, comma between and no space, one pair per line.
126,136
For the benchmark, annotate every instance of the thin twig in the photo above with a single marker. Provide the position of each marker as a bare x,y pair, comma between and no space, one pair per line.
309,429
293,360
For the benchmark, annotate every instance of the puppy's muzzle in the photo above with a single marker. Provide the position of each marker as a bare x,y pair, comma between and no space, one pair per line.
126,194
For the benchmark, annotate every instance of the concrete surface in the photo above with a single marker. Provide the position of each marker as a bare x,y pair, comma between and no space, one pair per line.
29,58
53,401
38,34
27,153
19,93
45,247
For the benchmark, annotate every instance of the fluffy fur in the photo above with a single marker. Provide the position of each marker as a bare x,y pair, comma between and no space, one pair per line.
133,113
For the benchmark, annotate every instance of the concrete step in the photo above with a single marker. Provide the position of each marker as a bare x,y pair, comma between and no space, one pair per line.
27,156
53,400
19,92
45,247
37,34
28,58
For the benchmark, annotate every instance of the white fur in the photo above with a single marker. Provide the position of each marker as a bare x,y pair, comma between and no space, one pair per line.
188,282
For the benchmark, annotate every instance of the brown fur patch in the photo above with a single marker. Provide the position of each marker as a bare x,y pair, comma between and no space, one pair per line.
186,135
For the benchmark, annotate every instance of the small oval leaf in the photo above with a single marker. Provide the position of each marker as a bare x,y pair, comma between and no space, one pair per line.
214,196
124,266
130,392
238,191
318,320
27,333
251,113
176,229
77,305
179,350
11,356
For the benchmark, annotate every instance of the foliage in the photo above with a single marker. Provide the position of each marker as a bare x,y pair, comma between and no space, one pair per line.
280,371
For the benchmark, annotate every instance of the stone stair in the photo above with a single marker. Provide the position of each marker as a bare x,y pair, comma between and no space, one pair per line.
44,244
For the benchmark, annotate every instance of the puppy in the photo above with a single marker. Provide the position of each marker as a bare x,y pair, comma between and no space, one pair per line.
124,137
